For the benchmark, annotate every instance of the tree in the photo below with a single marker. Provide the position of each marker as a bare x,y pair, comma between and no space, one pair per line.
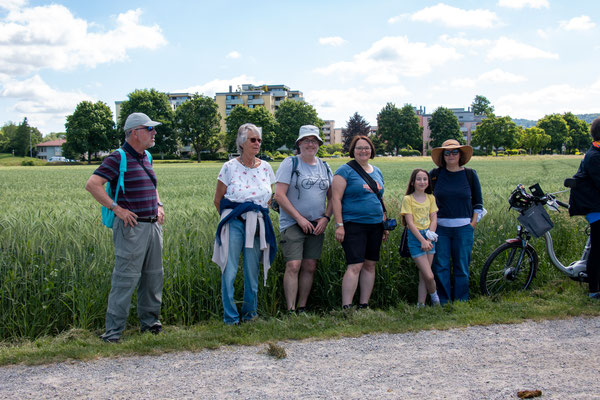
55,136
8,131
533,140
90,129
399,127
290,116
356,125
495,132
555,126
155,105
444,125
482,106
579,132
21,138
198,122
258,116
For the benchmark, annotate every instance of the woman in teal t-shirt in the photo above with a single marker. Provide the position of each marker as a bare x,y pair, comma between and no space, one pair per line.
359,221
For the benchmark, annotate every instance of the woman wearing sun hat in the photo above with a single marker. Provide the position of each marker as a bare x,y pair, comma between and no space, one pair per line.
458,195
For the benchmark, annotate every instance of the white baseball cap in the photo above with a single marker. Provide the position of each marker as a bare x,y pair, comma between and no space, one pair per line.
139,119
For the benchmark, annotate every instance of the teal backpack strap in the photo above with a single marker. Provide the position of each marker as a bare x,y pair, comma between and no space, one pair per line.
149,156
122,170
329,177
108,216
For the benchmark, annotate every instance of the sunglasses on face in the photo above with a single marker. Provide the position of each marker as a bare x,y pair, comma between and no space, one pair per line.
148,128
453,152
254,140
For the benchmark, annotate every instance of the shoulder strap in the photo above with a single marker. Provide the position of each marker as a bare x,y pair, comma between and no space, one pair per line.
294,168
122,170
329,177
470,178
149,156
372,184
433,175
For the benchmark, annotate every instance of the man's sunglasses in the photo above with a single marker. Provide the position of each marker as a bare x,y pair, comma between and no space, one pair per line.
254,140
148,128
453,152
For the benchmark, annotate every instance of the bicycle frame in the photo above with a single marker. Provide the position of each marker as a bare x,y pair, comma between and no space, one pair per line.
577,270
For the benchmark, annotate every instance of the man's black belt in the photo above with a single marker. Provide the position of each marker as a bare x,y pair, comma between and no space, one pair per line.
148,219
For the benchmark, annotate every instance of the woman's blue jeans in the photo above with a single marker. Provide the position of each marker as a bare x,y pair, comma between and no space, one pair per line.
237,239
453,249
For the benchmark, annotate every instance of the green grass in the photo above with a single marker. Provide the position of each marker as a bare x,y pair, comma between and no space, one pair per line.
7,160
557,300
56,260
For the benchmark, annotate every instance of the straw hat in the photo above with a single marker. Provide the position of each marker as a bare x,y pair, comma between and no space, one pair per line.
466,152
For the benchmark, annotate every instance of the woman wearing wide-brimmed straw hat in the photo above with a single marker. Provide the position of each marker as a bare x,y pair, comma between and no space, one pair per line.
458,195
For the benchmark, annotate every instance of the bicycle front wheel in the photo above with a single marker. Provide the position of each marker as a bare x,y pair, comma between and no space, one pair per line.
510,267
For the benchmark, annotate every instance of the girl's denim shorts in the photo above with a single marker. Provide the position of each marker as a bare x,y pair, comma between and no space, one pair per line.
414,246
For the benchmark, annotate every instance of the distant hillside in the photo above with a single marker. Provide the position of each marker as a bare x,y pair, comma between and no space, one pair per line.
528,123
525,123
589,118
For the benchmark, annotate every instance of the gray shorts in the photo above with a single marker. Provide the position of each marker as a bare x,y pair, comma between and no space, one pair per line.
296,245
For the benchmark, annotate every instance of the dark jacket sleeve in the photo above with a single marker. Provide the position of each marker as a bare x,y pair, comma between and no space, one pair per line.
476,196
592,167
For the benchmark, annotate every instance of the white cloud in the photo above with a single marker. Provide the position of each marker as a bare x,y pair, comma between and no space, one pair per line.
51,37
499,76
552,99
456,17
234,55
461,40
508,49
340,104
494,76
218,85
398,18
12,4
542,33
331,41
41,104
392,57
582,23
524,3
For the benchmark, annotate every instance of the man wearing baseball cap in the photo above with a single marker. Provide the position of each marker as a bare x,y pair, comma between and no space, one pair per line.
137,230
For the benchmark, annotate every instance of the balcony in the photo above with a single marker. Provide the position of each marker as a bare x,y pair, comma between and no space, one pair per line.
234,101
256,101
278,93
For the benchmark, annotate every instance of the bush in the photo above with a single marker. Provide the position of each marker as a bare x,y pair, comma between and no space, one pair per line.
409,153
27,163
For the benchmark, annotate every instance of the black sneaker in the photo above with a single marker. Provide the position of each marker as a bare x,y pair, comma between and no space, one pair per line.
109,340
301,310
363,306
346,306
154,329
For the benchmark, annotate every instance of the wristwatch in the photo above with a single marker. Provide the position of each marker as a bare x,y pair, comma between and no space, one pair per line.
158,203
339,225
113,205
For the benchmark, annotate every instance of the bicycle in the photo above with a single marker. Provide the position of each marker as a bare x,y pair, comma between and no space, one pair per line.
514,264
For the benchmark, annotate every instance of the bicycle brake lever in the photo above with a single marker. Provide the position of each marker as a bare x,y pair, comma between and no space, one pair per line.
552,205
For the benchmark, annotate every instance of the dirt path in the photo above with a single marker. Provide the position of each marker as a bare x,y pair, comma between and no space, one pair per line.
561,358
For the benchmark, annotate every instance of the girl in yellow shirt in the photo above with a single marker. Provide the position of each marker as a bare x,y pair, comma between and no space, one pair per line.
419,212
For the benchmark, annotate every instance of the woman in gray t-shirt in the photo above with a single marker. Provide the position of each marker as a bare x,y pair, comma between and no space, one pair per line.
303,184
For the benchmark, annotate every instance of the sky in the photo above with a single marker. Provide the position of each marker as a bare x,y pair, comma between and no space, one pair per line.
530,58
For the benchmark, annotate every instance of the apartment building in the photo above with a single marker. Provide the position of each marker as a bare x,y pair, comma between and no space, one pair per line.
467,120
251,96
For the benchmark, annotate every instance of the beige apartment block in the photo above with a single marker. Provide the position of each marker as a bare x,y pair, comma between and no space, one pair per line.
252,96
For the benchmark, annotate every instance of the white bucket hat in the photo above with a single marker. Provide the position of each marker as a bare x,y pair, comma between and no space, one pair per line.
309,130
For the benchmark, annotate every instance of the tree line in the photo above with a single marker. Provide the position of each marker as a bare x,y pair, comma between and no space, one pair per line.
197,123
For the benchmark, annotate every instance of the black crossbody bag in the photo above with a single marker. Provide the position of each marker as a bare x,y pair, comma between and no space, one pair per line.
388,224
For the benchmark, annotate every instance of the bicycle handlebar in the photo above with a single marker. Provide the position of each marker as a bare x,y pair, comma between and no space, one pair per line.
521,200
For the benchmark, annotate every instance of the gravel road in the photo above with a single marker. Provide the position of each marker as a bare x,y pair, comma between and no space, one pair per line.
560,358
